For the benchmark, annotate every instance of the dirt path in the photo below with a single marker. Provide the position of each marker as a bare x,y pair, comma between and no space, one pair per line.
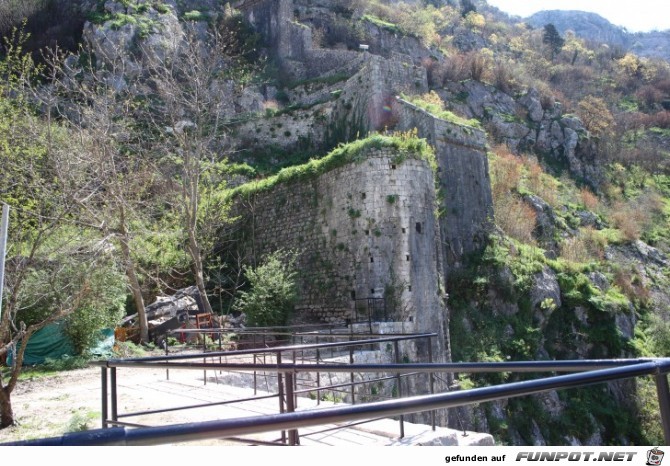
70,401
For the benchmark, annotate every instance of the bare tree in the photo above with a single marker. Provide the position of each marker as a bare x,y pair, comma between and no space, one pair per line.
106,175
188,118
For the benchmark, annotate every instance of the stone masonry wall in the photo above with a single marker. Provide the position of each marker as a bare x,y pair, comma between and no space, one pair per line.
348,110
463,176
361,231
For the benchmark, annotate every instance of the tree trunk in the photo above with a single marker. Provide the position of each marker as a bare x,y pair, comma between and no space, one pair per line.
134,282
6,412
194,250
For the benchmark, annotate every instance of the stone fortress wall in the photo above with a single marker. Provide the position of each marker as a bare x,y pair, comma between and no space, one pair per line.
366,227
363,230
347,110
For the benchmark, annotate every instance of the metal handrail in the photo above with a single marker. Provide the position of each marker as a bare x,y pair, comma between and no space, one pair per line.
294,420
514,366
344,344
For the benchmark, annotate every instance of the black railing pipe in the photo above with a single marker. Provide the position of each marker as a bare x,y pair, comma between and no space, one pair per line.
483,367
258,424
341,344
663,393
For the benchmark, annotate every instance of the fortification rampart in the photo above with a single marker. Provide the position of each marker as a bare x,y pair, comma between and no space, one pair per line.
364,230
466,203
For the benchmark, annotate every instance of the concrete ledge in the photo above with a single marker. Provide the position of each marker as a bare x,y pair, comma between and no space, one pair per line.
423,435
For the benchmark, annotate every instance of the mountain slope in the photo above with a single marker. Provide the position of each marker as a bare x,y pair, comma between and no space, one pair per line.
595,28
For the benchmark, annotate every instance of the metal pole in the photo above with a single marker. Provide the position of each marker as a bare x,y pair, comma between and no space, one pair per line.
318,376
432,381
3,248
115,411
293,438
167,353
103,382
396,350
351,377
280,392
663,392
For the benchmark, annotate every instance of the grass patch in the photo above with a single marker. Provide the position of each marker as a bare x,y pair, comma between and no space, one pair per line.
407,145
437,110
377,21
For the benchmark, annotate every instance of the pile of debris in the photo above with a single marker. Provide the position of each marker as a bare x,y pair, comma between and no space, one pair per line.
184,309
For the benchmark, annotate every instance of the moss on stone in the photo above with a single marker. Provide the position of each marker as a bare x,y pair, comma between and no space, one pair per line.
406,145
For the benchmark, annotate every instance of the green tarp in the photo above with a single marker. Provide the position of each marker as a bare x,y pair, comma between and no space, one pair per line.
50,342
105,344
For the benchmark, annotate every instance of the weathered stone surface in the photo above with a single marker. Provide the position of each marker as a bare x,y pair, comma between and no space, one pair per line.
463,176
545,287
531,100
361,230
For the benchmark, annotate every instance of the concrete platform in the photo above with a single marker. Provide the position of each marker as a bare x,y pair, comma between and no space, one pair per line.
187,388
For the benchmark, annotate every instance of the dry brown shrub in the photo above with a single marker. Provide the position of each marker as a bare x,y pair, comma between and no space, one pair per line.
505,77
479,65
574,249
661,119
628,220
515,217
453,69
505,171
540,183
649,95
587,246
589,199
632,285
636,215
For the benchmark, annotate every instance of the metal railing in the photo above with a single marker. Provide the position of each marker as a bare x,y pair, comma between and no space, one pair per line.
305,358
593,372
584,373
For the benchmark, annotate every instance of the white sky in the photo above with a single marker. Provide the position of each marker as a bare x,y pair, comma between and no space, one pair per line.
637,15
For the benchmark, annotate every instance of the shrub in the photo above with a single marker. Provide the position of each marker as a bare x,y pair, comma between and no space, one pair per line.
516,218
433,104
589,245
589,199
541,184
505,171
272,292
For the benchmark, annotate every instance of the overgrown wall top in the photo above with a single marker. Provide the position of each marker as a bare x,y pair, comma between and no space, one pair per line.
467,205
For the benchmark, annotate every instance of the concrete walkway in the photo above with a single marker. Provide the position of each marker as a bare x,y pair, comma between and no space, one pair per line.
188,388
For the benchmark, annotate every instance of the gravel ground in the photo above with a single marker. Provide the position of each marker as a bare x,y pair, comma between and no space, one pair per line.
70,401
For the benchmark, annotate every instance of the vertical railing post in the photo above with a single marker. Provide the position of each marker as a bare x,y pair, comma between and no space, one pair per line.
663,393
432,380
293,438
399,382
351,376
167,352
256,358
280,392
115,412
103,383
318,375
